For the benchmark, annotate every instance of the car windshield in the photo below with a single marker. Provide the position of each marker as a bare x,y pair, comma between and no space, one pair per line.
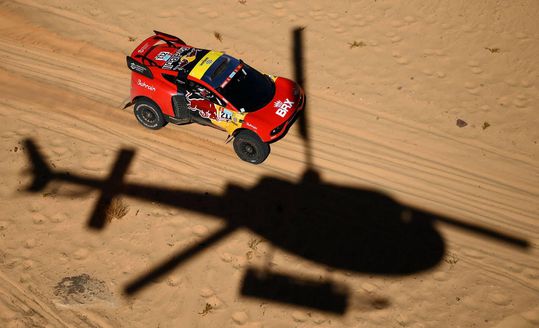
248,89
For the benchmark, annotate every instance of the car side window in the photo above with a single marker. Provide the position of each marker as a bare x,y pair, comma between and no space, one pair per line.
203,92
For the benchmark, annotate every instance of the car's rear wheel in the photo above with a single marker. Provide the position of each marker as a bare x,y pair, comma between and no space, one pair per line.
250,148
149,114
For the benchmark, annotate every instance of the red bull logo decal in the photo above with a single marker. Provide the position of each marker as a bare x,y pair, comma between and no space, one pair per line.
182,57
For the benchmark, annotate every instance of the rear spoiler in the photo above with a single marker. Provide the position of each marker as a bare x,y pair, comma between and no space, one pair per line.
138,62
168,38
137,67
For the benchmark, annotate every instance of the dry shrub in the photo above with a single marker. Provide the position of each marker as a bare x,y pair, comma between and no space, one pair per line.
117,209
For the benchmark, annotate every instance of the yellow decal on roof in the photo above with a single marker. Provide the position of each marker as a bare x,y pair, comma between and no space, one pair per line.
202,66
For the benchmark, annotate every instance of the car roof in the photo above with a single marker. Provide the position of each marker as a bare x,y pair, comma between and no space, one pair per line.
216,69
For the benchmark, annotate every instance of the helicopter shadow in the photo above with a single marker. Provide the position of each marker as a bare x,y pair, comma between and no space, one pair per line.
335,226
340,227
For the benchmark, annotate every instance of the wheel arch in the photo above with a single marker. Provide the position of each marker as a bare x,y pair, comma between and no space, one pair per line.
146,98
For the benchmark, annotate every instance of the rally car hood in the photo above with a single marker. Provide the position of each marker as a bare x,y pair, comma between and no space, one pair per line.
283,106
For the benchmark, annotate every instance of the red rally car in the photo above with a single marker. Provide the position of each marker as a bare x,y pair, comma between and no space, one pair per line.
181,84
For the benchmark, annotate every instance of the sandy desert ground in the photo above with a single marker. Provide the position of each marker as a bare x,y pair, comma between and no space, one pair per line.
386,80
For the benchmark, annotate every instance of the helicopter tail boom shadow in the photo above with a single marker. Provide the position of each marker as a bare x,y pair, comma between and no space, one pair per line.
40,170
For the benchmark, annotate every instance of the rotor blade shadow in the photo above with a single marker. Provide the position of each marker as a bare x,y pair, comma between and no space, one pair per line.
111,188
178,259
299,77
476,229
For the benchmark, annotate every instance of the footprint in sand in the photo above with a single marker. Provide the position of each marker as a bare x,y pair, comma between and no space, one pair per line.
318,318
396,39
473,63
227,257
520,101
215,302
25,277
393,37
59,218
526,83
81,254
292,18
30,243
4,225
402,61
521,35
532,316
95,12
174,281
240,317
427,72
397,23
316,15
38,218
503,101
368,287
441,276
440,75
199,230
476,70
472,88
243,15
409,19
27,264
207,292
300,316
499,299
531,274
93,164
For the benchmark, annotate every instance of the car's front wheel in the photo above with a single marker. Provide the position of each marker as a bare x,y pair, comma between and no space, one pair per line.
250,148
149,114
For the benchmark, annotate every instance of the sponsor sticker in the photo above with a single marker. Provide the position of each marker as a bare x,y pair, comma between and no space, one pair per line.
283,107
180,58
250,125
163,55
144,85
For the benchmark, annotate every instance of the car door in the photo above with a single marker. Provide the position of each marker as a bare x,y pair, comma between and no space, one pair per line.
201,101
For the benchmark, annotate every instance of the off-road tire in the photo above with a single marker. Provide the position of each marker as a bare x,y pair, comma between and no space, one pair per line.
250,148
149,114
